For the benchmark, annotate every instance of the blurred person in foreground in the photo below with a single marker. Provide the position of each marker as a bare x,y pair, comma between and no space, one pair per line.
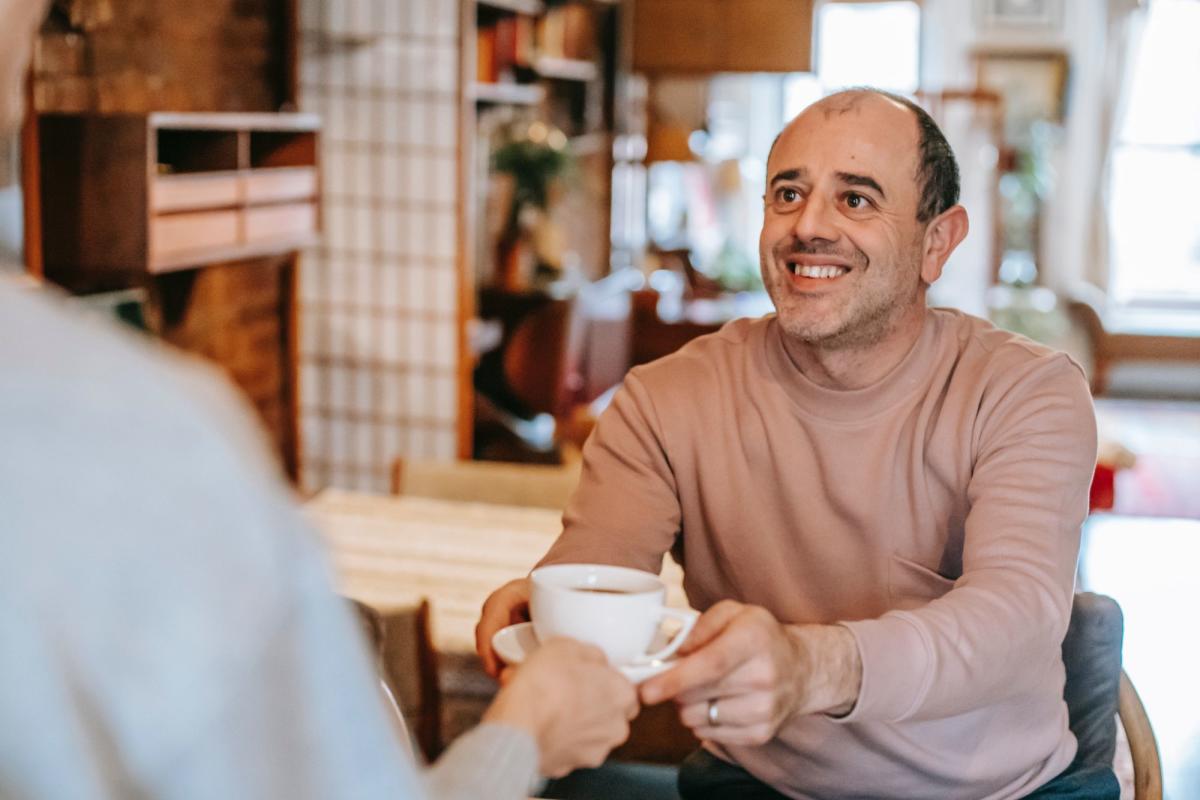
168,626
877,505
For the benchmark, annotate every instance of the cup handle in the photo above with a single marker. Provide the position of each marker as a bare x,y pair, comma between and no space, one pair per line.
687,618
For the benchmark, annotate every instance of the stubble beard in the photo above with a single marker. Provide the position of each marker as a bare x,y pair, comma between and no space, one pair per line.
859,321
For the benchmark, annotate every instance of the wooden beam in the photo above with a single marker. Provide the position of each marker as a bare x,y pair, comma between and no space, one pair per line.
708,36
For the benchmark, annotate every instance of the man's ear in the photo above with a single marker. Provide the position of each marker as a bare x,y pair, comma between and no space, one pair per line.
942,235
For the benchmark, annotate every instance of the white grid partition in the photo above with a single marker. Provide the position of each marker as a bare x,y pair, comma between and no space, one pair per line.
378,298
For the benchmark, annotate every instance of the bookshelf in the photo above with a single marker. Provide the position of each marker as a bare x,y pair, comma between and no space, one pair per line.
553,62
551,65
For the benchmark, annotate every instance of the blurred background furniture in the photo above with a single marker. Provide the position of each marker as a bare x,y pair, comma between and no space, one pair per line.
557,353
535,485
653,337
1112,348
1143,746
164,191
533,372
404,654
1098,693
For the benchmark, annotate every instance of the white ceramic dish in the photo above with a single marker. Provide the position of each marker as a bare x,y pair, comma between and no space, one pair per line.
516,642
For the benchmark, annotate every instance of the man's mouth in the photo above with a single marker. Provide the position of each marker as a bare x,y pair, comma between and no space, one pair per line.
822,271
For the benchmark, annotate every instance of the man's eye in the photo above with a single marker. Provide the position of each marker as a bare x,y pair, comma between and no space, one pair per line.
855,200
788,195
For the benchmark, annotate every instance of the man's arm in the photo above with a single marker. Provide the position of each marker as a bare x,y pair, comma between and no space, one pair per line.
996,632
625,510
988,638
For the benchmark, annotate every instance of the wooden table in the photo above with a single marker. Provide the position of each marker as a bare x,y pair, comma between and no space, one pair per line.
391,551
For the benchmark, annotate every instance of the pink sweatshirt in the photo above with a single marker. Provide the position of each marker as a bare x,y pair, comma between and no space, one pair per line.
936,514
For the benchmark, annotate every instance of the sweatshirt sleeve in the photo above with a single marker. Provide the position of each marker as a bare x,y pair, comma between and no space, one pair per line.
625,510
491,760
1000,627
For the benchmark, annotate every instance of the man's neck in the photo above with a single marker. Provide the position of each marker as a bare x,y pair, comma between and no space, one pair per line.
846,368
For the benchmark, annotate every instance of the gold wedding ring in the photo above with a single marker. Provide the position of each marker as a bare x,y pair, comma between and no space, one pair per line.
714,716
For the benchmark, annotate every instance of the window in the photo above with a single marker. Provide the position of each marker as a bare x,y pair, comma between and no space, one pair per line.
860,44
869,44
1153,213
713,206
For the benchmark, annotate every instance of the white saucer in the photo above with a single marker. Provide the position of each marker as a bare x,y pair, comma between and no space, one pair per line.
516,642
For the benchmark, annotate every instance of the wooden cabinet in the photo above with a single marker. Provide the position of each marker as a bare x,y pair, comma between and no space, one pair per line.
710,36
159,192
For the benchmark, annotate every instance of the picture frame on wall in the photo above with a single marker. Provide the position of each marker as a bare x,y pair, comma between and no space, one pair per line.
1033,85
1024,15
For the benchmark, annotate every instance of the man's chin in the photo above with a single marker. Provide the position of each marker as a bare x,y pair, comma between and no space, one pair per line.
812,334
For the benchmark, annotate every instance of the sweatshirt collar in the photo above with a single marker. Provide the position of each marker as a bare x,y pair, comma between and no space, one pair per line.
854,405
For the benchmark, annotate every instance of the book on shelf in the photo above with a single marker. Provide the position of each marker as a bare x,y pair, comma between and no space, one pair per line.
503,48
485,55
567,31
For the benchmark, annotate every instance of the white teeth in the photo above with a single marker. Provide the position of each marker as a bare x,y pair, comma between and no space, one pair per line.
806,271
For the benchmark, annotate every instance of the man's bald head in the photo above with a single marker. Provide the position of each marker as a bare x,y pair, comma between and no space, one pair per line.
936,167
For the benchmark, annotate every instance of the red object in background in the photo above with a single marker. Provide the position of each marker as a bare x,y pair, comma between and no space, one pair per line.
1101,496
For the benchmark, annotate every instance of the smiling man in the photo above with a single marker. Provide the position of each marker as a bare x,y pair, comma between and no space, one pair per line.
877,505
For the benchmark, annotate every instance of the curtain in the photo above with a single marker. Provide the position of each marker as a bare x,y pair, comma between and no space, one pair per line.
1126,20
1075,236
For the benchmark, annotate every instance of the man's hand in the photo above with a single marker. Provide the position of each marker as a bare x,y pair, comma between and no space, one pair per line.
576,707
506,606
760,673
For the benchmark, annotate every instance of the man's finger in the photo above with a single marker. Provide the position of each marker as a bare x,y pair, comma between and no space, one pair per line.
738,736
737,681
710,625
706,667
734,711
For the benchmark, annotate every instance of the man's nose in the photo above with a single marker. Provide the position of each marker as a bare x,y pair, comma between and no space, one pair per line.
815,220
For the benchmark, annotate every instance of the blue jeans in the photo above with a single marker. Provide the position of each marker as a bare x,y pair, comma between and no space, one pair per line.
703,776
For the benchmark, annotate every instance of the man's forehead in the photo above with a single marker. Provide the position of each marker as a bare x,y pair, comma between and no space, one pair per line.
849,132
872,116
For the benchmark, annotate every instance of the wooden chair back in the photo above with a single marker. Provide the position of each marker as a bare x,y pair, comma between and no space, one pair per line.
537,485
408,669
1143,746
1098,693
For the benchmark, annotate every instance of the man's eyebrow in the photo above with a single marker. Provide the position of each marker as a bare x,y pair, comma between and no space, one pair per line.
861,180
798,173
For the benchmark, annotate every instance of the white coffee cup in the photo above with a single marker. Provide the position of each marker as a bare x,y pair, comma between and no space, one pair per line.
618,609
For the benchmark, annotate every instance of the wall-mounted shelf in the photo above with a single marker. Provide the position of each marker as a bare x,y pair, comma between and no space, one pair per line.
531,7
566,69
517,94
154,193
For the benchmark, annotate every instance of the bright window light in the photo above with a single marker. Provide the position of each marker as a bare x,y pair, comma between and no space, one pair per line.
1152,212
869,44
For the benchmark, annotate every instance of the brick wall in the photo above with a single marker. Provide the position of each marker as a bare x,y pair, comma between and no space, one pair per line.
156,55
230,314
189,55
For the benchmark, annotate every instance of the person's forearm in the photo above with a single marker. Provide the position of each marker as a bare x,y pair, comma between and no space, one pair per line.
830,668
493,760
